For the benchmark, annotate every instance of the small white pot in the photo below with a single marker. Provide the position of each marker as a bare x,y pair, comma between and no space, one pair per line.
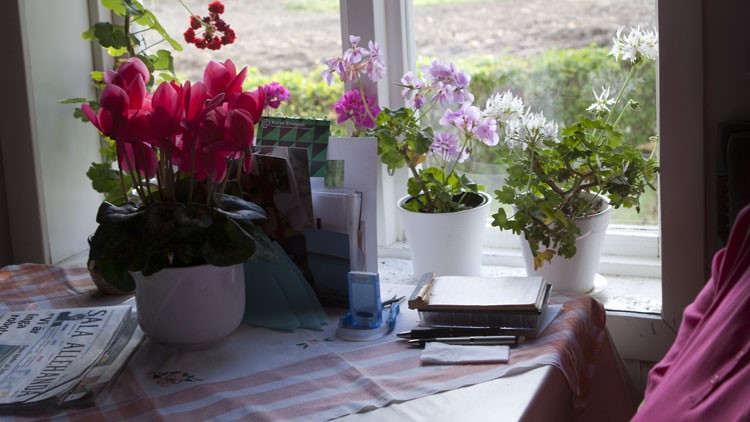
578,273
190,306
446,243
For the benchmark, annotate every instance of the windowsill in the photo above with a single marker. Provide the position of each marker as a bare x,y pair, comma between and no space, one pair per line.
616,292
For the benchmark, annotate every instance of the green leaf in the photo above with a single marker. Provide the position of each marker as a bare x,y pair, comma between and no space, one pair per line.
116,52
197,215
116,6
149,20
110,35
162,60
238,209
72,101
109,213
499,219
135,8
227,244
116,275
106,180
264,247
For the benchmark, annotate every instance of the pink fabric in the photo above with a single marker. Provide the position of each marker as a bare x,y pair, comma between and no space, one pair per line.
705,376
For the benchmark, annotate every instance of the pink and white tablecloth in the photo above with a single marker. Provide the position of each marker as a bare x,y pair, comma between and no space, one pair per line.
266,375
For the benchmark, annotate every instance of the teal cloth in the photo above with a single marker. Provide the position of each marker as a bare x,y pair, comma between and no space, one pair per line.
278,296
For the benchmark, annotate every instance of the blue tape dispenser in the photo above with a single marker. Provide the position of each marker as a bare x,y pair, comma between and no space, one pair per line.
365,319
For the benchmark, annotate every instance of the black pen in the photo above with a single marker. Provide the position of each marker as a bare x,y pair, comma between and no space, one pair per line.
420,333
473,340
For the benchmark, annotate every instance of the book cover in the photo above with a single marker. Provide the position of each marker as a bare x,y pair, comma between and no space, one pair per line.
470,293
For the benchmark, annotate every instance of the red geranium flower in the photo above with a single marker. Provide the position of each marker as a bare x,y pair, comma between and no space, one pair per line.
216,32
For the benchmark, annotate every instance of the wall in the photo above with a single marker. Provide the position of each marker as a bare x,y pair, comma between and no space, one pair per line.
51,209
6,253
57,64
22,193
726,61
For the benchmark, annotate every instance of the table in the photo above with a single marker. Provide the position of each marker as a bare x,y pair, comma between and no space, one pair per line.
570,372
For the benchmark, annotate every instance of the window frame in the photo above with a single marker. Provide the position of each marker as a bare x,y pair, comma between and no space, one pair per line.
638,245
682,264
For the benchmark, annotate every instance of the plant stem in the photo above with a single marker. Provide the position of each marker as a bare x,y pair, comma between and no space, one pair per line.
619,96
159,173
187,8
192,171
128,42
136,178
364,98
122,185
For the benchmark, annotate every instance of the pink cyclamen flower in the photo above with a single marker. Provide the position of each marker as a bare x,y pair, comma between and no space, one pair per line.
351,107
127,72
275,93
223,78
251,101
166,115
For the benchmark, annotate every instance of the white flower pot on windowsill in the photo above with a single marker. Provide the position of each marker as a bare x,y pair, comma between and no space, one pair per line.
578,273
446,243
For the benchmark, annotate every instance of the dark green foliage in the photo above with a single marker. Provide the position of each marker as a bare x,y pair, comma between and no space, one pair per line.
161,234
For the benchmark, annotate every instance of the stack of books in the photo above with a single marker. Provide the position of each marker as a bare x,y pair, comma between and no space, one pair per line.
510,303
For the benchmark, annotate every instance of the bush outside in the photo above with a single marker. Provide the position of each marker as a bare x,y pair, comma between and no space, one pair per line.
558,82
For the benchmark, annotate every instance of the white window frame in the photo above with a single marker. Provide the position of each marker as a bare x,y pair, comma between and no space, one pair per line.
681,264
628,250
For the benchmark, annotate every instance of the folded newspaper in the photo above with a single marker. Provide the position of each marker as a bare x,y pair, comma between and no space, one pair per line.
63,356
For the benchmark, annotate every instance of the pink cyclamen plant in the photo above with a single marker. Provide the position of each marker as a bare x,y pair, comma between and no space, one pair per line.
355,105
183,130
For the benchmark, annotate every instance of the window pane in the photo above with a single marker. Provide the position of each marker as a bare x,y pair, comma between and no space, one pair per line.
552,53
279,40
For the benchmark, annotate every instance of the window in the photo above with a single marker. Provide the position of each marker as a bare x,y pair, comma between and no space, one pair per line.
681,106
443,30
272,36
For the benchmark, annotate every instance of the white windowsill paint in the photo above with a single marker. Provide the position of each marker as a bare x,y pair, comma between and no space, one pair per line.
617,293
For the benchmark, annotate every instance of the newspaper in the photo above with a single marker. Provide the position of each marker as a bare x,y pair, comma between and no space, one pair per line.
63,356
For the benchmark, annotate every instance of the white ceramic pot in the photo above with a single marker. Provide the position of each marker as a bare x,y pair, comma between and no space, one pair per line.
190,306
578,273
446,243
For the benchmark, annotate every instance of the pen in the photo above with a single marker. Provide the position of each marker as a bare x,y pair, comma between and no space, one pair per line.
421,333
474,340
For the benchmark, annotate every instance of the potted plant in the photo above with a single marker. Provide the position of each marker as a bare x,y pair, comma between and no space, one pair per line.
174,230
558,180
444,212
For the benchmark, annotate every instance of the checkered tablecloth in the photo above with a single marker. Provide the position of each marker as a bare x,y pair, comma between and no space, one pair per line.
267,375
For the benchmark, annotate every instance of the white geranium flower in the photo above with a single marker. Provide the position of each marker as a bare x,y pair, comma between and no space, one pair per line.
539,128
602,102
636,45
506,108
